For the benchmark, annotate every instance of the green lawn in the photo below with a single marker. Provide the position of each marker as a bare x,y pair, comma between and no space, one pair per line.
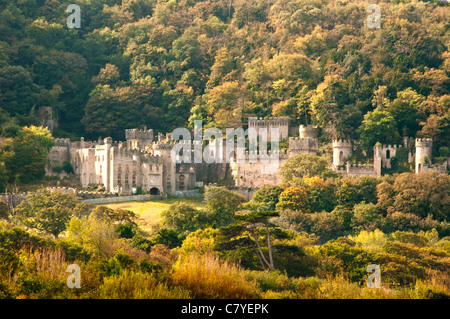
150,211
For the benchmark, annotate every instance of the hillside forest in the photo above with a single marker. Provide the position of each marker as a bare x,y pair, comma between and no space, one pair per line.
162,64
165,63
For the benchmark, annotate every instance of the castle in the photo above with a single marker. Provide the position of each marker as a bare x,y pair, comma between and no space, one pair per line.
144,161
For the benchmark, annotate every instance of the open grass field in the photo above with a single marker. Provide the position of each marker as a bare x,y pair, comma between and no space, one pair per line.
150,211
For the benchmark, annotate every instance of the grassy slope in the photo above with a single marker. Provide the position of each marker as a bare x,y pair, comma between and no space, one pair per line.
150,211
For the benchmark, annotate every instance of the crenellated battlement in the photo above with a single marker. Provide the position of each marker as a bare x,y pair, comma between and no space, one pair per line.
268,121
341,143
143,134
62,142
424,142
307,145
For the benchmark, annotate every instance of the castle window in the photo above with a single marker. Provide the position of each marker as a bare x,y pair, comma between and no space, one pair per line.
388,154
103,157
181,180
341,157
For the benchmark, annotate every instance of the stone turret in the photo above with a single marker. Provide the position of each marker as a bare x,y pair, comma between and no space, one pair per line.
306,145
341,150
308,131
138,139
423,153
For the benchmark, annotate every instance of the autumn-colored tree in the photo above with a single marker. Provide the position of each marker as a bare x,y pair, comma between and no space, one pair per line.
294,198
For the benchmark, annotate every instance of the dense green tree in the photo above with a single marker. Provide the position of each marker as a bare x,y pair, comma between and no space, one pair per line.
265,198
304,165
25,155
378,127
48,211
183,218
222,204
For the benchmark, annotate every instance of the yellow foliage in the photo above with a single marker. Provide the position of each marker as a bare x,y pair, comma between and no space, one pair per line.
208,277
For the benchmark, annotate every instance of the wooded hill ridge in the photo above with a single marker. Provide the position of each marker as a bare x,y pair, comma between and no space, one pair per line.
163,64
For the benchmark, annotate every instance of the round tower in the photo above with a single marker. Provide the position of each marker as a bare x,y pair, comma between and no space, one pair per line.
423,152
341,150
308,131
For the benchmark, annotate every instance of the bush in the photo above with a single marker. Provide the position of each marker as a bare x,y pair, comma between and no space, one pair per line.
207,277
137,285
125,231
401,221
353,260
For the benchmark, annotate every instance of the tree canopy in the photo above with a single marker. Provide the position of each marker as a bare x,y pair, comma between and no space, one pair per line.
165,63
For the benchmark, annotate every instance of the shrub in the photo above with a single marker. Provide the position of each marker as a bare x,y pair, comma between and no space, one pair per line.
125,231
354,260
372,240
137,285
205,276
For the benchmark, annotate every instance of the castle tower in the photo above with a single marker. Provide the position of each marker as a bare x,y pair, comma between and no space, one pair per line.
423,152
341,150
377,158
308,131
281,123
138,139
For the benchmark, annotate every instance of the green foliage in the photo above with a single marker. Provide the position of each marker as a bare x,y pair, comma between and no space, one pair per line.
417,194
4,210
378,127
168,237
183,218
351,191
139,58
304,165
366,217
222,204
25,155
265,198
294,198
321,194
47,211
